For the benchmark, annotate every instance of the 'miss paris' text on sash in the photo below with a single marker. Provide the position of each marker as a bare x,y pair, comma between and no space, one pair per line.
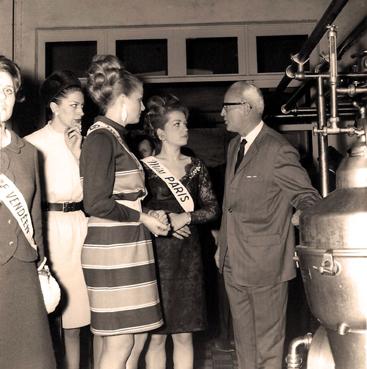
180,192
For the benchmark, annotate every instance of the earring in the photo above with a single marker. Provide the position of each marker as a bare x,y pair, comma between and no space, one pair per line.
123,114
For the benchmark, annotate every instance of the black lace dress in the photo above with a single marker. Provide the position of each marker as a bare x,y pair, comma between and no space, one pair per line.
179,262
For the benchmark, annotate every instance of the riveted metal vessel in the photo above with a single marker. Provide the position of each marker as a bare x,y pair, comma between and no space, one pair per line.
333,261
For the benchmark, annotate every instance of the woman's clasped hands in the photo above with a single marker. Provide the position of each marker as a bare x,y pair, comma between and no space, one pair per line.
179,224
156,221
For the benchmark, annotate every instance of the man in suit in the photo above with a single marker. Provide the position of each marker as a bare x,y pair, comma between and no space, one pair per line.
264,182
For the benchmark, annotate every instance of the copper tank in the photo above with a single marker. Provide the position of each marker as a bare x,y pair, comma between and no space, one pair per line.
333,261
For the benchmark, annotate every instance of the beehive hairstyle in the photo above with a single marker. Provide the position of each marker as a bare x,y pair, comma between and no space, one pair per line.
57,85
107,79
158,108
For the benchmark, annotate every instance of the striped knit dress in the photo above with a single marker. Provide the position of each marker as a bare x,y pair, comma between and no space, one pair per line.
117,256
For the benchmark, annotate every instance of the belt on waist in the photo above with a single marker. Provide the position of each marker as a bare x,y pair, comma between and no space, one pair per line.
63,206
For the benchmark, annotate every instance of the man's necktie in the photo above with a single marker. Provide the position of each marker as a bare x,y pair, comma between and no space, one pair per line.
240,154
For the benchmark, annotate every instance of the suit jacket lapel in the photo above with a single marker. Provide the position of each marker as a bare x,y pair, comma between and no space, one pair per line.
248,156
250,153
232,156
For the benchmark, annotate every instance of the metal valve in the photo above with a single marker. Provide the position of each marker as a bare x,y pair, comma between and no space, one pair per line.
328,265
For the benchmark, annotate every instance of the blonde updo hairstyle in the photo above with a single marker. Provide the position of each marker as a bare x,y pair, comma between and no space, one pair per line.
108,79
158,109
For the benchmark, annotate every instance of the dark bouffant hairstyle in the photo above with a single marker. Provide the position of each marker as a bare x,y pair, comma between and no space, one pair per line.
139,139
58,84
8,66
108,79
158,108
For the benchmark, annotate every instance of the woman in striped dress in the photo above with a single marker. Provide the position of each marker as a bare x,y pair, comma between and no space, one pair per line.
117,257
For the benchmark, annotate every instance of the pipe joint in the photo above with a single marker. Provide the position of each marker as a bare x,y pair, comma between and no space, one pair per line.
284,109
290,73
351,90
333,122
344,328
293,359
300,62
335,130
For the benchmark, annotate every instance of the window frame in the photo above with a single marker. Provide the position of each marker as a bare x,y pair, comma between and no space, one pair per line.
44,36
176,36
274,29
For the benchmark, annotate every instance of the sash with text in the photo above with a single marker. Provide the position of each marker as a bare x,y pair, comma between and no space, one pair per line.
180,192
13,199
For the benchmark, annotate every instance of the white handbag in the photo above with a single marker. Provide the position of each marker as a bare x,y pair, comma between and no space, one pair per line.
49,286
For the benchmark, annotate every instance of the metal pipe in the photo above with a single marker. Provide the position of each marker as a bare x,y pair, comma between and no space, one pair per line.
333,78
304,110
311,114
322,139
328,17
353,75
344,46
351,90
307,117
334,131
285,108
294,360
302,76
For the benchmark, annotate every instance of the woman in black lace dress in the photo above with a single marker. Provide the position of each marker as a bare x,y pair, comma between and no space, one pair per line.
179,185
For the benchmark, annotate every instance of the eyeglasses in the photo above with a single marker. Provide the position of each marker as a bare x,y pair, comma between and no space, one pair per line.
8,91
228,104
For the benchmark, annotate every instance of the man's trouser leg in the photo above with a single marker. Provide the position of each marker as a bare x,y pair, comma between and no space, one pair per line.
259,317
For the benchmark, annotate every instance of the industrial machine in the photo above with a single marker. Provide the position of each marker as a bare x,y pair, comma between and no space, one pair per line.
332,250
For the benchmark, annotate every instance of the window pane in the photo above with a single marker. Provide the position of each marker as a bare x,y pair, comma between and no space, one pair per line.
75,56
273,52
212,55
143,56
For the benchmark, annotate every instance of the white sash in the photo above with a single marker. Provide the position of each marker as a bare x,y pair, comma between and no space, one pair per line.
15,202
100,125
180,192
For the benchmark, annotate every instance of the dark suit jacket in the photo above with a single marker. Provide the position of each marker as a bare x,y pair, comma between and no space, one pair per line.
256,232
19,162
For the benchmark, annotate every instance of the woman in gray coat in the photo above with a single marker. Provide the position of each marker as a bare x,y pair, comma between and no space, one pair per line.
25,341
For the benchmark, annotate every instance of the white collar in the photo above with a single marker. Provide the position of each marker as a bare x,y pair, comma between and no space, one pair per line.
250,138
